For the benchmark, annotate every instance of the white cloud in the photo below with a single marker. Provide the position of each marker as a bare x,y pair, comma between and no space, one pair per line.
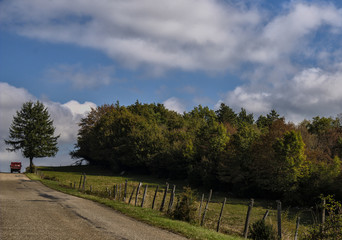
79,108
277,52
309,93
193,34
174,104
285,34
189,35
253,102
65,116
81,77
11,100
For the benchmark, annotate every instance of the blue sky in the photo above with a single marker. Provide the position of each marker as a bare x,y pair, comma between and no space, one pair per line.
260,55
42,65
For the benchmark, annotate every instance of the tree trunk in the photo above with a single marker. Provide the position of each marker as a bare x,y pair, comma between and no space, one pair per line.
31,164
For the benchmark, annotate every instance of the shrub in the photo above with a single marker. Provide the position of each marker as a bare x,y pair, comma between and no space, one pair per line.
332,228
262,231
186,206
27,169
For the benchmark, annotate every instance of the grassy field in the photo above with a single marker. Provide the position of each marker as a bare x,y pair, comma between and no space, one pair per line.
102,184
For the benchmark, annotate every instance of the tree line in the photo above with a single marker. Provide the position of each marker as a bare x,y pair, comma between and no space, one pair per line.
223,149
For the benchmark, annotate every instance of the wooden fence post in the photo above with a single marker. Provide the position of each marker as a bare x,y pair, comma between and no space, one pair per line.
90,188
323,215
137,194
130,198
163,201
266,214
84,181
172,197
114,191
279,218
125,191
323,211
74,185
144,196
219,220
79,186
200,207
297,227
206,207
250,206
119,193
155,195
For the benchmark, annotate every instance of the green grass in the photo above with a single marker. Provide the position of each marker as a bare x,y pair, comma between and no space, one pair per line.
234,214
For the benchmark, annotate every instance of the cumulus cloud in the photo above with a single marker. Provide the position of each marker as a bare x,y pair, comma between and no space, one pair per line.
251,101
188,35
277,52
65,116
81,77
285,34
11,100
309,93
174,104
79,108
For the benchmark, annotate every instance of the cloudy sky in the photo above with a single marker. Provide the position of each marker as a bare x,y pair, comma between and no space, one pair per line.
260,55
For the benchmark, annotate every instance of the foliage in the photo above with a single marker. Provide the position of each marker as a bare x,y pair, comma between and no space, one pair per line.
217,149
235,168
260,230
30,169
290,157
226,115
265,122
32,132
244,117
332,227
185,209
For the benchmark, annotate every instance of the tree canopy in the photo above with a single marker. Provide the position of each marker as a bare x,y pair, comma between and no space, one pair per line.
217,149
32,132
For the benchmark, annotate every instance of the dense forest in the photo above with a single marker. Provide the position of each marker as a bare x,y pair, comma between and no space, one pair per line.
223,150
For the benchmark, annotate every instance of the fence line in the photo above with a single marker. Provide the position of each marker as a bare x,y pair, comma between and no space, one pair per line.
120,191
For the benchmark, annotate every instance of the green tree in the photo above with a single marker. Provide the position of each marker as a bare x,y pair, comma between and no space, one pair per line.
226,115
267,121
87,136
265,166
235,165
319,125
209,140
32,132
243,117
290,163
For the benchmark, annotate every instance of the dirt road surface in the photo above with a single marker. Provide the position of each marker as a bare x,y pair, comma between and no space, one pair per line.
29,210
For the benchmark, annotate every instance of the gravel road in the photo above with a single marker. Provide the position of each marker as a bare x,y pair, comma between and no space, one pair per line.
29,210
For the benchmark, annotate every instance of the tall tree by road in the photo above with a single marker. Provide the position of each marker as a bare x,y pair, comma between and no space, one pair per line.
32,132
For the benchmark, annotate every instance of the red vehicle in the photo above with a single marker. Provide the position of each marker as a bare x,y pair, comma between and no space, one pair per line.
15,167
